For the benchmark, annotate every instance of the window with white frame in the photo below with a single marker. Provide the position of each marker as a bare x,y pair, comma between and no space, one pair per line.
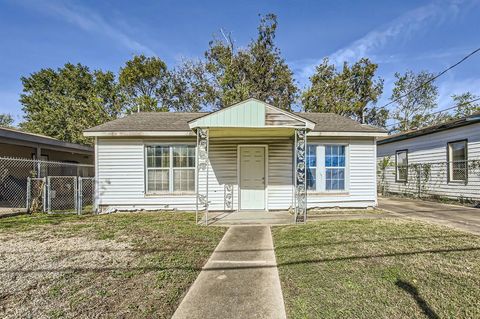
457,161
311,167
170,168
401,166
335,167
326,167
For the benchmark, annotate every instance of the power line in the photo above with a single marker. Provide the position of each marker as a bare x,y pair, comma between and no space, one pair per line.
433,78
447,109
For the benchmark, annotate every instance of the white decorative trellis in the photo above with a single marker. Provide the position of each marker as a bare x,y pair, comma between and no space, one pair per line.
202,171
300,208
228,197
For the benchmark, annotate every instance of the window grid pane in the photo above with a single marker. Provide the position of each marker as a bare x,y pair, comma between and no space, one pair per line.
158,180
311,167
458,164
158,156
184,156
335,167
184,180
166,175
402,165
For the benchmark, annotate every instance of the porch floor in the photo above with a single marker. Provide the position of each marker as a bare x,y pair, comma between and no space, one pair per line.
250,218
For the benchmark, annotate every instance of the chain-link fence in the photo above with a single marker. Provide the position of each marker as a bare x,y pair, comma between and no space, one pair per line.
37,194
459,180
62,194
24,185
86,195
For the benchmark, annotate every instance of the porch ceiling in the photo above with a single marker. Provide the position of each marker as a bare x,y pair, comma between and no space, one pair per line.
251,132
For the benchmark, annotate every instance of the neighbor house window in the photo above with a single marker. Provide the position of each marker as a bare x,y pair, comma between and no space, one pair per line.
401,166
326,167
170,168
457,161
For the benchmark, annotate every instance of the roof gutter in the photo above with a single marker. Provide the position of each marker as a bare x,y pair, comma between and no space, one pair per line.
349,134
191,133
139,133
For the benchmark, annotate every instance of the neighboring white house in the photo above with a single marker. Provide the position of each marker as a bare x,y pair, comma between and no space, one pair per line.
442,160
249,156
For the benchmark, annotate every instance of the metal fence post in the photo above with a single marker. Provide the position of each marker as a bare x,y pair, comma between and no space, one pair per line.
419,172
49,195
44,197
80,196
29,193
94,198
75,193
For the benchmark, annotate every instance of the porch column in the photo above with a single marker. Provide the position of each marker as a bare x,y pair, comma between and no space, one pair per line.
300,208
202,175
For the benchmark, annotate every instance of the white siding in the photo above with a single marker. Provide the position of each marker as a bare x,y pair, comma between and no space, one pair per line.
361,187
432,148
121,175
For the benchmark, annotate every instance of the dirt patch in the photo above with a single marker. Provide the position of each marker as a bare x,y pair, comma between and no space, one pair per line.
109,266
33,272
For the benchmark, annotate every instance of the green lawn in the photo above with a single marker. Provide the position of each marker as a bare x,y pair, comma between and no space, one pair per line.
378,269
118,265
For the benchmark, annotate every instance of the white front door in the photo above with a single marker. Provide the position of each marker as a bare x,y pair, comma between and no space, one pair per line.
252,177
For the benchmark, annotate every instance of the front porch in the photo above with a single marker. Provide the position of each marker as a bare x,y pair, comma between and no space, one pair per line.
254,155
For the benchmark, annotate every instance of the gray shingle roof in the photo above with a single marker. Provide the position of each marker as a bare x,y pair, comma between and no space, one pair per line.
467,120
21,136
170,121
330,122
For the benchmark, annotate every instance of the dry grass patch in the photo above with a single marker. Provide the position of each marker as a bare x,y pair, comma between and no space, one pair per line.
346,212
121,265
378,269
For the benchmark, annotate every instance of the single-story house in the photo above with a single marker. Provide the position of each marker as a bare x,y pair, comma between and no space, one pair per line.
441,160
19,144
249,156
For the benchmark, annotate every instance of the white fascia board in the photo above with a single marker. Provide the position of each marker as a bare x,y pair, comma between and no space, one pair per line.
140,133
347,134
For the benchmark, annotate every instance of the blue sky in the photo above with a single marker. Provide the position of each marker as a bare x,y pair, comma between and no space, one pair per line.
398,35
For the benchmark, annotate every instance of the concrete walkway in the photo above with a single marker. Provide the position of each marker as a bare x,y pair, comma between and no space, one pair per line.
240,280
460,217
251,218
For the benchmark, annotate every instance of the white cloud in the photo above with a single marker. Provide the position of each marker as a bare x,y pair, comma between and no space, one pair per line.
403,27
90,21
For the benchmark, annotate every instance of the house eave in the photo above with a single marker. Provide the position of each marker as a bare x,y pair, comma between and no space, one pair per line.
139,133
191,133
348,134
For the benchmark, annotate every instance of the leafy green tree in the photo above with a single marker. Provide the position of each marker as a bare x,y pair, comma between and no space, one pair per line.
190,89
145,83
6,120
464,105
271,79
353,91
62,103
414,97
229,75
